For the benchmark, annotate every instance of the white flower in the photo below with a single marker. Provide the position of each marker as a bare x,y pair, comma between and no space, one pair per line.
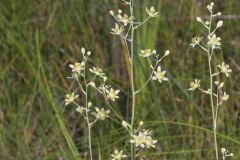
97,71
112,94
225,96
159,75
125,19
80,109
143,139
225,69
195,41
70,98
213,41
101,113
77,67
147,52
117,30
151,12
194,85
118,155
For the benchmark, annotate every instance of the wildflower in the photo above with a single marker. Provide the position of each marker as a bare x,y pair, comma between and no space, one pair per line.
80,109
118,155
77,67
151,12
213,41
159,75
117,30
195,41
70,98
111,94
225,97
194,85
101,113
97,71
143,139
225,69
125,19
147,52
103,88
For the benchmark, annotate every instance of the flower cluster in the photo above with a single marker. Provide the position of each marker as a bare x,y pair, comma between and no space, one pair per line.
143,139
213,41
125,22
78,71
140,138
216,93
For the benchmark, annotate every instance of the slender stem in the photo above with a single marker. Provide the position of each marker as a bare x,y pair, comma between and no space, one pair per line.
87,117
210,52
89,125
132,77
142,22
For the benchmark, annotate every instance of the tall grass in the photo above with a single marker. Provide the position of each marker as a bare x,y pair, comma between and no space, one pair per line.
37,36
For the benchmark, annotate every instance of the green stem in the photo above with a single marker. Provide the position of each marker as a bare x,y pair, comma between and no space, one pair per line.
210,52
132,78
88,124
212,106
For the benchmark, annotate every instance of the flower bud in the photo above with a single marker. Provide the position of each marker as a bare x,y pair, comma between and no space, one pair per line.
223,150
219,14
92,84
199,19
89,104
124,124
167,52
140,123
219,24
89,53
111,12
83,50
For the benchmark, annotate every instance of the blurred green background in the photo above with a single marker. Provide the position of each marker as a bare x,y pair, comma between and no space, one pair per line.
39,38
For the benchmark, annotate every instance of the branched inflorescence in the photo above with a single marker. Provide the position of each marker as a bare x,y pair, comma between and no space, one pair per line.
209,45
79,73
125,27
